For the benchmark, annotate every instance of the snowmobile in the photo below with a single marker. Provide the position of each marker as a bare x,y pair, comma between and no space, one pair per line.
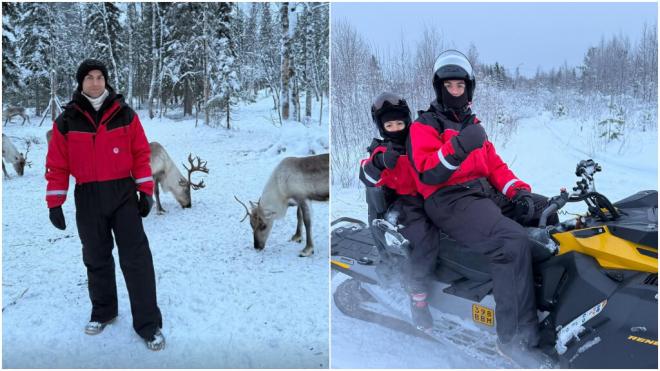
595,277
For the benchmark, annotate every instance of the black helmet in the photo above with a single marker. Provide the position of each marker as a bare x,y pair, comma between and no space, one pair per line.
389,106
453,65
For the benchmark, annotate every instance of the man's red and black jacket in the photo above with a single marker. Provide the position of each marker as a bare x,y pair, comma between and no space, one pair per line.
439,160
96,146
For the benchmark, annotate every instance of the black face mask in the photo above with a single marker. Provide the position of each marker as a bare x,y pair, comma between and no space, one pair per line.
452,102
398,137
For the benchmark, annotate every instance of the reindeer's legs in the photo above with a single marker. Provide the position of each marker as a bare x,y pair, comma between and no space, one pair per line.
309,244
6,121
4,171
159,207
297,237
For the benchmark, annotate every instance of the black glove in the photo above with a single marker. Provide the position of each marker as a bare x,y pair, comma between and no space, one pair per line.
57,217
524,207
145,203
389,158
471,137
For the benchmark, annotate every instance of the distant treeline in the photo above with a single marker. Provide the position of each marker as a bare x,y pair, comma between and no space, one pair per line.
203,57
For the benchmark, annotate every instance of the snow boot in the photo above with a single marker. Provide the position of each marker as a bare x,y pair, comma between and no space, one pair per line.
421,315
523,355
95,328
157,341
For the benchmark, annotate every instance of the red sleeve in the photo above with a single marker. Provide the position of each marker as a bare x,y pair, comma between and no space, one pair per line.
141,158
499,174
57,169
434,159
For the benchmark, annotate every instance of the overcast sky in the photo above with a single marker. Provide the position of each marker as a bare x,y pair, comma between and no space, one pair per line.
534,34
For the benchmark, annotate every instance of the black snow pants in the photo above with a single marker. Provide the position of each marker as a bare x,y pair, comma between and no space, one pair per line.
424,240
104,209
479,217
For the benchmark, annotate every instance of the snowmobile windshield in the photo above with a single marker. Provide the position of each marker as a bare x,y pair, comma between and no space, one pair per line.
453,64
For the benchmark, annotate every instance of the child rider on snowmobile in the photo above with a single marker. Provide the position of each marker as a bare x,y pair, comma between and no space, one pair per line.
471,194
388,167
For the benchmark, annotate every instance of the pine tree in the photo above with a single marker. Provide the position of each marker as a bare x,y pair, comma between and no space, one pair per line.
11,79
104,31
37,51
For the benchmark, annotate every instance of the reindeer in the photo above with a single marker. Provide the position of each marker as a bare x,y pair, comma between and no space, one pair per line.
12,111
11,154
295,178
166,174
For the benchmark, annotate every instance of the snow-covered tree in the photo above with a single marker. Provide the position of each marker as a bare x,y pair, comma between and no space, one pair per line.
11,73
104,31
285,55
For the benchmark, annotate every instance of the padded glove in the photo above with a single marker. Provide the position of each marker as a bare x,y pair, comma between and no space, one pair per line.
145,203
471,137
524,207
57,217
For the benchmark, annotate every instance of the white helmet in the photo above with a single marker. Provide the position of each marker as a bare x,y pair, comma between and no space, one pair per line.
453,65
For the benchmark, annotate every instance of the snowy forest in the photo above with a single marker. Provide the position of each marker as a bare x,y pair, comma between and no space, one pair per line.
199,58
612,92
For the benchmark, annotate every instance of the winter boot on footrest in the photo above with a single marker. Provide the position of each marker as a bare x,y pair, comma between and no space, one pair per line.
421,315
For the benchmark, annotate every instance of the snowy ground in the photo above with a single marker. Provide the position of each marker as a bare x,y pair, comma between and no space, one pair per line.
544,153
224,304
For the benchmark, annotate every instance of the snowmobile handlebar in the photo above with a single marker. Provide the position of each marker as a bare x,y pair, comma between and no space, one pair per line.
554,205
583,191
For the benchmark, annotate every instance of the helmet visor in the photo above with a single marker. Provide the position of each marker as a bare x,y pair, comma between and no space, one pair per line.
453,64
389,101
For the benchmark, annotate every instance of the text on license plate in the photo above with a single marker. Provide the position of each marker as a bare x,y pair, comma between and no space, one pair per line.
483,315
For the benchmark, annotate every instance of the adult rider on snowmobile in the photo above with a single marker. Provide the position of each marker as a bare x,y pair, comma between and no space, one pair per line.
472,195
388,167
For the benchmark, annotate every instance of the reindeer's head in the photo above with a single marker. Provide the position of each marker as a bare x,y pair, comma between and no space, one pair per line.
183,197
21,160
261,222
19,164
197,164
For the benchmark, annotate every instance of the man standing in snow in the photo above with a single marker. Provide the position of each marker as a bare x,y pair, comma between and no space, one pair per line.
99,140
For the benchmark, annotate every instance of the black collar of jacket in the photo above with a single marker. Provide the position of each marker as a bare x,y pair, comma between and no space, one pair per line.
464,117
83,103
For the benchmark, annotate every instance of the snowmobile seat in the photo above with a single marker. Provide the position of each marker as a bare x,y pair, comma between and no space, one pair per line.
641,199
475,266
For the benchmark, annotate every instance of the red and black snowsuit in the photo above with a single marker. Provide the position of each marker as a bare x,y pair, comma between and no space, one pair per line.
108,154
408,204
468,196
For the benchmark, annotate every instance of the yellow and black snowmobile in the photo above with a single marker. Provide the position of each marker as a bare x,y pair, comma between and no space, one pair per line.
595,280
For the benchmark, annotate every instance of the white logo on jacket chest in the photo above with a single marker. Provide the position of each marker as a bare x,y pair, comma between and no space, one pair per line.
115,150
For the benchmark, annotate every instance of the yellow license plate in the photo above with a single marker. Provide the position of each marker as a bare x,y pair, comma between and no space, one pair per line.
483,315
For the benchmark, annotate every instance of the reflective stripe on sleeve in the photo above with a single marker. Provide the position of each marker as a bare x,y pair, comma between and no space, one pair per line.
508,185
56,193
372,180
444,162
145,179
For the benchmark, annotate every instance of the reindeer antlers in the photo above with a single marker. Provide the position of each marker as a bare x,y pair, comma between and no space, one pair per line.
199,166
28,143
247,211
